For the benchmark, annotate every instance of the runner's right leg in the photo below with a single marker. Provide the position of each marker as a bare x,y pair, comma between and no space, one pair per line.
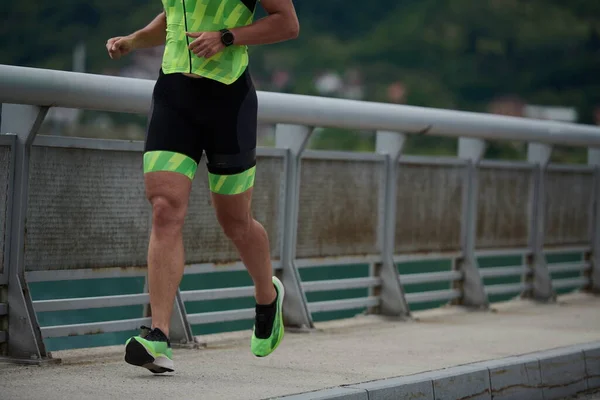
172,153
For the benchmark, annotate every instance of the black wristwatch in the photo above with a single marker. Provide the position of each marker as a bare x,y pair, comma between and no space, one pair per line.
227,37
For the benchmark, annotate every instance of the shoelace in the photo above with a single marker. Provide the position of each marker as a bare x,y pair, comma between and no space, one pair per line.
153,334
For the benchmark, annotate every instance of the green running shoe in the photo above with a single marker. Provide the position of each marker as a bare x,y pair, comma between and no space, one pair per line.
268,326
152,351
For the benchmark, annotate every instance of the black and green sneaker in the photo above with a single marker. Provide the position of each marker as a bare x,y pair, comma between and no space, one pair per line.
268,326
152,351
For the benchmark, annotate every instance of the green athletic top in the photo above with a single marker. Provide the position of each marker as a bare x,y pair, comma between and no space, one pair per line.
204,16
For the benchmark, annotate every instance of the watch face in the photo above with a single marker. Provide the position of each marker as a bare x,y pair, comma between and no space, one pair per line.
227,38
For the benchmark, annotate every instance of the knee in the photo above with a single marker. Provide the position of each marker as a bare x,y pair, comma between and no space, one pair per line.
167,214
235,227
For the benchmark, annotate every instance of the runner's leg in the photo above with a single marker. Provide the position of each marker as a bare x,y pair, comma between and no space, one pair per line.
168,193
171,157
231,154
250,238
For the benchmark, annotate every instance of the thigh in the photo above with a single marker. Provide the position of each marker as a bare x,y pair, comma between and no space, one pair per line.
170,188
231,142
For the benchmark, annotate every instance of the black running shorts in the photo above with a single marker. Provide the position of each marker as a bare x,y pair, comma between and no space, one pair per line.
190,116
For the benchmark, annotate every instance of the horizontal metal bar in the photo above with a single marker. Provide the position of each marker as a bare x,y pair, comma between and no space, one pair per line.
336,261
338,305
3,309
508,252
568,267
506,288
91,302
217,294
3,336
221,316
207,268
433,295
497,272
271,152
431,161
403,258
93,328
123,145
503,165
571,282
428,277
567,249
343,156
81,274
570,168
131,272
88,143
42,87
341,284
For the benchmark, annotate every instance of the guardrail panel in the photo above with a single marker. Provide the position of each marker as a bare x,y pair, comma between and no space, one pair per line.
6,156
338,209
569,197
429,207
204,239
503,208
87,208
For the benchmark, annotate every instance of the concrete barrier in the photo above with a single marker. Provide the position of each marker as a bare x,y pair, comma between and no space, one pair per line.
545,375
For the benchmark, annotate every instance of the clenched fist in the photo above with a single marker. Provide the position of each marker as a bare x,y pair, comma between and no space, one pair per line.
119,46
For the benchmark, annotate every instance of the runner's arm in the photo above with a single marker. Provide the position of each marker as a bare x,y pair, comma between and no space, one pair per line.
281,24
152,34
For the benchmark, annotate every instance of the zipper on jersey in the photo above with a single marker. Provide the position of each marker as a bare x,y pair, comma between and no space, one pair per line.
187,38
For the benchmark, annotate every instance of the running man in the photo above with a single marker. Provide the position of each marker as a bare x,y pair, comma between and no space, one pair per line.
204,101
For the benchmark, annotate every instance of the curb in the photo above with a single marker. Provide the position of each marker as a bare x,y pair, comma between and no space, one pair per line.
544,375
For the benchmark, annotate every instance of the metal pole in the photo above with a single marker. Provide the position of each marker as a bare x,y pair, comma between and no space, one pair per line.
473,290
108,93
11,140
594,257
294,138
392,297
181,330
25,340
542,290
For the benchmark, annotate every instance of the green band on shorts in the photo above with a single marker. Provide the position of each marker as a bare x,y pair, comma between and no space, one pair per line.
169,161
232,184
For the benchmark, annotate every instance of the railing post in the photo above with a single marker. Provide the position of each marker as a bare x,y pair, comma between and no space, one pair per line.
392,298
539,154
25,340
181,330
473,290
294,138
594,256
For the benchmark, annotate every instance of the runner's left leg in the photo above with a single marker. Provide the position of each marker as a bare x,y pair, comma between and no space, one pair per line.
231,155
251,240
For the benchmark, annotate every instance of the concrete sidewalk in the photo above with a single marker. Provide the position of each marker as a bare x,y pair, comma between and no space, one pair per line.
339,353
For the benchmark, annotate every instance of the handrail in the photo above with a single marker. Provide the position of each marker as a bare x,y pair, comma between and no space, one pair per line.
24,85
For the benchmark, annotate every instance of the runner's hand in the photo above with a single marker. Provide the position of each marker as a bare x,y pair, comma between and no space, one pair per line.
206,44
119,46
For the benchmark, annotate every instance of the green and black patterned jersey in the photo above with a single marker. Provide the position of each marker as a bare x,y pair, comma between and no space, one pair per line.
204,16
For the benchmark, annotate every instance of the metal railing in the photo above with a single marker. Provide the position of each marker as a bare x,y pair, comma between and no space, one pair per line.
74,208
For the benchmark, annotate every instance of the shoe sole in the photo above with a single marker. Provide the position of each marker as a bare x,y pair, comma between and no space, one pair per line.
280,296
136,354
